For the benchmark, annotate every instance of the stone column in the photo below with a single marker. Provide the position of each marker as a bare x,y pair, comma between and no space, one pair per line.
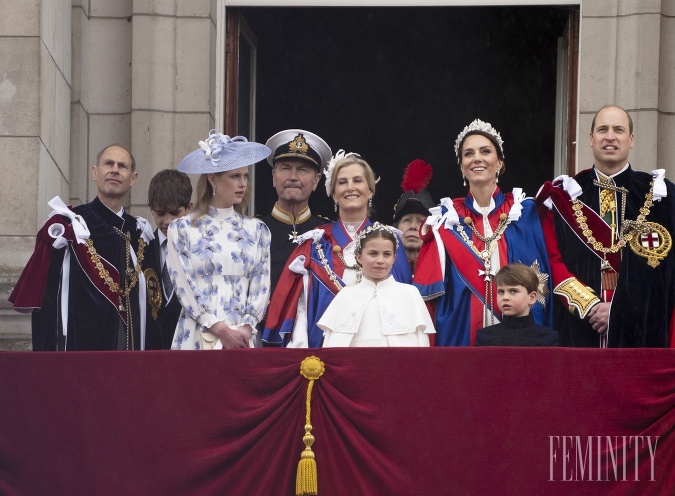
172,83
101,95
622,54
35,86
666,121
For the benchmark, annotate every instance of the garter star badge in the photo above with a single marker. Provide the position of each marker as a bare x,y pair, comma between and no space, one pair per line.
653,244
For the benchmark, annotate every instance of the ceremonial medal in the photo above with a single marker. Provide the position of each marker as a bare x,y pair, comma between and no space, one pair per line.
653,244
153,291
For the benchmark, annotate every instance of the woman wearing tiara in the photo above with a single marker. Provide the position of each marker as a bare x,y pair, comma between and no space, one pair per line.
467,240
324,262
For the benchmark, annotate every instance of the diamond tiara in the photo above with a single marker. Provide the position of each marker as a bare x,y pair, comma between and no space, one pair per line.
478,125
376,227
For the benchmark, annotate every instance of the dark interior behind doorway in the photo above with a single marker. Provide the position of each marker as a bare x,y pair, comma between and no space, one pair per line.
395,84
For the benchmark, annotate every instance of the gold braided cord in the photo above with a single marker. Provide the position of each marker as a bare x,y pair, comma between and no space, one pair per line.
306,483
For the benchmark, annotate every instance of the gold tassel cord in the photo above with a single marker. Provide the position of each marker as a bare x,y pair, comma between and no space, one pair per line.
306,483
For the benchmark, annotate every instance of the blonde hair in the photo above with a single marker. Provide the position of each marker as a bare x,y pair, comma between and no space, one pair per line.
205,193
351,160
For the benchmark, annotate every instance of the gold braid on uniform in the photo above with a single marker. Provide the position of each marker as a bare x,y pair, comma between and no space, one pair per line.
579,297
129,273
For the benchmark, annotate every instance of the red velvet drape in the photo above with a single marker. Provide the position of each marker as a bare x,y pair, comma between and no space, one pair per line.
387,421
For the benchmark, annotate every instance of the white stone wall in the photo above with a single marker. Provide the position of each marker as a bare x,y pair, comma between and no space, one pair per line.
35,88
626,58
171,86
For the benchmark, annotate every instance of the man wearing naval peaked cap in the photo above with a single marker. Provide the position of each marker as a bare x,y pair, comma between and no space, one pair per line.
298,158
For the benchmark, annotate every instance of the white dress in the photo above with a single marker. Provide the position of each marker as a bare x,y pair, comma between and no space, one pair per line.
220,268
387,313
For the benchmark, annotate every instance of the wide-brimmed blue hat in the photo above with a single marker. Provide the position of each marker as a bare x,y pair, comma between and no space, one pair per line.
220,153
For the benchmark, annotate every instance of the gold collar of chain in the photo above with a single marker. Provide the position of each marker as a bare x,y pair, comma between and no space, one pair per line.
484,255
103,272
628,227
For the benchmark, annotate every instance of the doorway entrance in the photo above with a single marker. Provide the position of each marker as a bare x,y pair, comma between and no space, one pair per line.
396,84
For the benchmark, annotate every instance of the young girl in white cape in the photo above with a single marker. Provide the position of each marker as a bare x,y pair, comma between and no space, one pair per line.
378,311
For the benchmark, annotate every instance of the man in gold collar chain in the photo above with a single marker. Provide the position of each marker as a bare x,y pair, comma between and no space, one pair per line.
609,234
84,283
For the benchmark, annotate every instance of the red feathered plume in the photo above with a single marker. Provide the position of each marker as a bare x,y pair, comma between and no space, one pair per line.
416,176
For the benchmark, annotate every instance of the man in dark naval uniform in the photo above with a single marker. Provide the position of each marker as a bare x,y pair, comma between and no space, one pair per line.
297,161
609,234
84,283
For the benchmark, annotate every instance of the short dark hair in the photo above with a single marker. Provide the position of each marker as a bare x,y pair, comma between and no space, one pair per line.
131,155
630,119
169,190
518,274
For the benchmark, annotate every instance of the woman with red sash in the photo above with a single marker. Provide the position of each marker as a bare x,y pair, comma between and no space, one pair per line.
324,262
467,240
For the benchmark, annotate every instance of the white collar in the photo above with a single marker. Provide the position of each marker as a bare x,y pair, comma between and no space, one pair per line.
598,173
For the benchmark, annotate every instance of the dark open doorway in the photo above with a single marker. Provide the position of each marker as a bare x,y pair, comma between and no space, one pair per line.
395,84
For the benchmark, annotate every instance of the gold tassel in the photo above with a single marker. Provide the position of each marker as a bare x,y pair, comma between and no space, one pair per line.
306,483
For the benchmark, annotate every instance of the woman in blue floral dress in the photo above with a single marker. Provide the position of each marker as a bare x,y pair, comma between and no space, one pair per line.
219,259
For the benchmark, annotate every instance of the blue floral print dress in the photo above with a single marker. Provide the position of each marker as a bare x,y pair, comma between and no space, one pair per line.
220,267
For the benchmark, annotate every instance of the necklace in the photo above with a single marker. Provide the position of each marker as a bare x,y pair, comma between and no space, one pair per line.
486,257
628,228
332,275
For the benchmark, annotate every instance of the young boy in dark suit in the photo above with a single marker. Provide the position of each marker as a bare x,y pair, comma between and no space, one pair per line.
169,197
517,290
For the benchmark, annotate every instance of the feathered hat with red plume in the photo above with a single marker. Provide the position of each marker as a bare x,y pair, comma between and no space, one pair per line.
415,198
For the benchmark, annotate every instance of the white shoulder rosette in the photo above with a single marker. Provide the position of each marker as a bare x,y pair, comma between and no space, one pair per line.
57,230
517,207
314,235
437,218
569,184
659,189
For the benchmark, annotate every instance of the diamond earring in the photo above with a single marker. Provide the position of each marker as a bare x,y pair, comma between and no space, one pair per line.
335,205
370,202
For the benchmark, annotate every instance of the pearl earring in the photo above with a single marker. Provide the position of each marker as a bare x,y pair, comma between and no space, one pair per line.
464,179
497,177
214,188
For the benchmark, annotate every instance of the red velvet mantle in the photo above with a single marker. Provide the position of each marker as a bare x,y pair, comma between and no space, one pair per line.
387,421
